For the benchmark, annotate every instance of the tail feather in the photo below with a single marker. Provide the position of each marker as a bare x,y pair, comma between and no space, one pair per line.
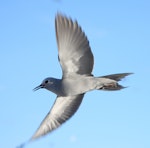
117,77
114,86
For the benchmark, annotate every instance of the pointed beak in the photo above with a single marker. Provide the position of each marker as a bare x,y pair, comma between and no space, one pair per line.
38,87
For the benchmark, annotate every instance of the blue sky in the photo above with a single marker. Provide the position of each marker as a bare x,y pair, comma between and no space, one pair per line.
119,35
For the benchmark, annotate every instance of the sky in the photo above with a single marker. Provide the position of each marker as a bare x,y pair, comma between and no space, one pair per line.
119,35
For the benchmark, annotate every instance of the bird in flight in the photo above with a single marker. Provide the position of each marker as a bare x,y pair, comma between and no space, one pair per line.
76,60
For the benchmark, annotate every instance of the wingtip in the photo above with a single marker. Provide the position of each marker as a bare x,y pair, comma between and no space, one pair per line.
22,145
131,73
59,15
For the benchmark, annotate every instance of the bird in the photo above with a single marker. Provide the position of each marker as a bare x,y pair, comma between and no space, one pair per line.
76,60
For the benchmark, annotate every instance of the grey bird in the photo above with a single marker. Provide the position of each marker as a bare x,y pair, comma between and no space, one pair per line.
76,59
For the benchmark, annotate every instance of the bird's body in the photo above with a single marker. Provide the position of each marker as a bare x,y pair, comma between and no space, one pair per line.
78,84
76,59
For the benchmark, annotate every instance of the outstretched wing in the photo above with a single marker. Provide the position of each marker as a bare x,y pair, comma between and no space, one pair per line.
73,47
62,110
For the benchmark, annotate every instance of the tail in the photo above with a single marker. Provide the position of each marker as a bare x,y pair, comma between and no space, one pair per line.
114,86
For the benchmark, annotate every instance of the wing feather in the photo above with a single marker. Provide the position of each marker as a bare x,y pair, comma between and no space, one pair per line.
62,110
74,51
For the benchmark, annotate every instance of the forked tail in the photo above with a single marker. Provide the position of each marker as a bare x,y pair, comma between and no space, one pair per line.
114,86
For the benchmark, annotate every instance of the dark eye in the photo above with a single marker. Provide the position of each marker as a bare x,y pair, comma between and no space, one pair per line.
46,81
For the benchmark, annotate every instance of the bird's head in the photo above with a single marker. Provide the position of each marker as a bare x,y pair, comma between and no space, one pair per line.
46,83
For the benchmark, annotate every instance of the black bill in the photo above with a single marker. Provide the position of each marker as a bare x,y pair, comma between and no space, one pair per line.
38,87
